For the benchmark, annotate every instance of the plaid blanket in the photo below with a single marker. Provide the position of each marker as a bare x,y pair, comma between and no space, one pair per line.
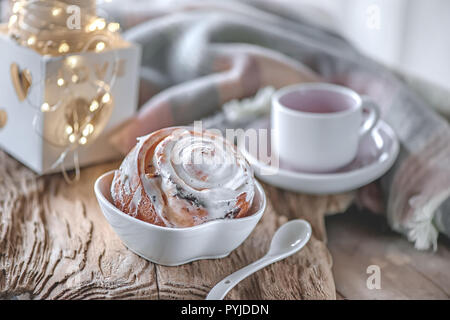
197,55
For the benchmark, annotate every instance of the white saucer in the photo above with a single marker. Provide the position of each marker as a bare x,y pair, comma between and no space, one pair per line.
376,154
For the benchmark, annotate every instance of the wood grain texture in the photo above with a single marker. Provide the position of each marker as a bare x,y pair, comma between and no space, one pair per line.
358,240
56,244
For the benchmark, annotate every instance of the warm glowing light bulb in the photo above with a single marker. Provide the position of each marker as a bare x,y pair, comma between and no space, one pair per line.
63,48
69,129
97,24
56,11
45,107
61,82
72,61
94,106
13,19
100,46
106,98
72,138
82,140
113,27
75,78
101,24
92,27
31,40
88,129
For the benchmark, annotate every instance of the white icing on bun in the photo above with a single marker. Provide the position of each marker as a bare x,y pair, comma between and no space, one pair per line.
177,177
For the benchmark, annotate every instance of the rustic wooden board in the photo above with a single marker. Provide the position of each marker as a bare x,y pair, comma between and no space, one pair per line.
56,244
358,240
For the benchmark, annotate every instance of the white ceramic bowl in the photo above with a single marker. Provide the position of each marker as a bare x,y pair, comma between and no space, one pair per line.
176,246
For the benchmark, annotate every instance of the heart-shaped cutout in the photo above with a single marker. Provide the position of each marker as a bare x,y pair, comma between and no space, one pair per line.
21,81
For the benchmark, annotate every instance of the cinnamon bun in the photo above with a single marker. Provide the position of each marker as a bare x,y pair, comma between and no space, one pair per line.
177,177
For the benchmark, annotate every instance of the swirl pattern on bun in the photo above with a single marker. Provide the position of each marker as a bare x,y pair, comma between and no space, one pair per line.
177,177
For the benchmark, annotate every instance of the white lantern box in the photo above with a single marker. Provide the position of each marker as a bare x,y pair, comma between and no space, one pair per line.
29,81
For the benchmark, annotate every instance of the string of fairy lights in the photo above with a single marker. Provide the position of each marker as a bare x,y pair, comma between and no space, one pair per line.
41,25
48,32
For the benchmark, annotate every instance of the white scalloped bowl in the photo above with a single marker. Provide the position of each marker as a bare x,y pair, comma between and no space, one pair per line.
176,246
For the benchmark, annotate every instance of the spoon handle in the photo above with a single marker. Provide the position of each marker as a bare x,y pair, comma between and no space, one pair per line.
289,239
221,289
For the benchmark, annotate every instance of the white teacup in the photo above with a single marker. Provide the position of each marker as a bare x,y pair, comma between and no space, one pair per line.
317,126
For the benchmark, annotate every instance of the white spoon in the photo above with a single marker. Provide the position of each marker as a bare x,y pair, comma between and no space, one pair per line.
289,238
